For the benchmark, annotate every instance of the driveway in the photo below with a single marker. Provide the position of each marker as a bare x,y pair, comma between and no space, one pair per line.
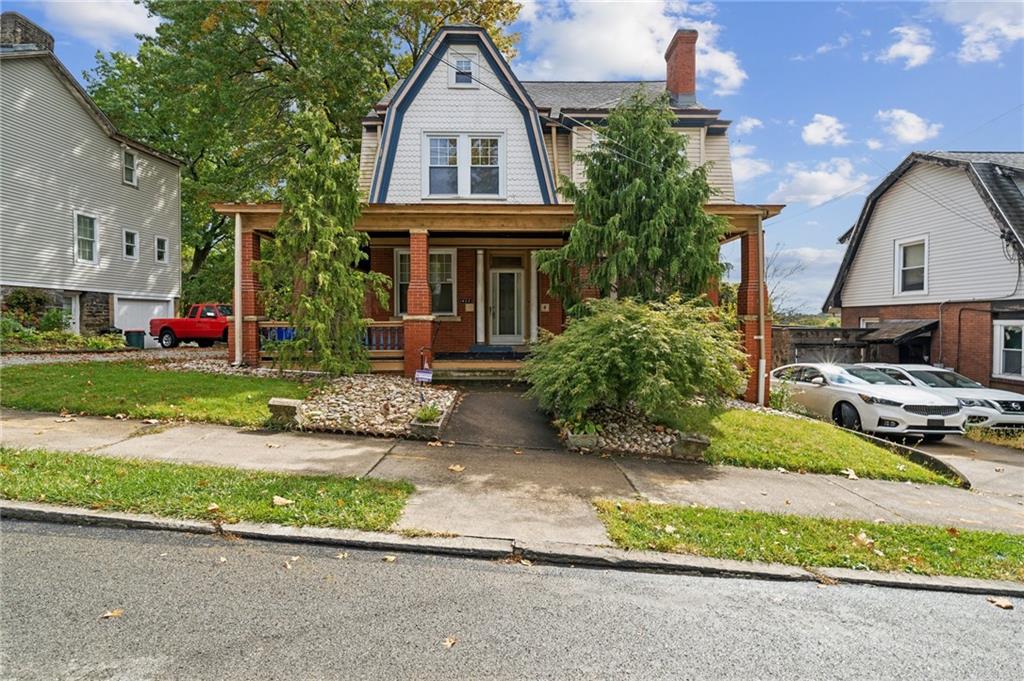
498,414
992,469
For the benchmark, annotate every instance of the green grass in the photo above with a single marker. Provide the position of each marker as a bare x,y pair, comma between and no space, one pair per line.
185,491
110,388
813,542
1014,438
756,440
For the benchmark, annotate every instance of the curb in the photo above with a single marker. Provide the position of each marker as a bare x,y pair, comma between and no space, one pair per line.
491,548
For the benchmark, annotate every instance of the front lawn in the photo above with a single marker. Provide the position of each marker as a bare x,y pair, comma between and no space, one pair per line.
813,542
186,491
130,388
751,439
1006,438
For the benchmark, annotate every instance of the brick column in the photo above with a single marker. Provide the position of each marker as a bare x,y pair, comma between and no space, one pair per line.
252,307
747,310
418,327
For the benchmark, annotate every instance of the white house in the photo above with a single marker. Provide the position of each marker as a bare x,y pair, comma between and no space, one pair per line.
87,215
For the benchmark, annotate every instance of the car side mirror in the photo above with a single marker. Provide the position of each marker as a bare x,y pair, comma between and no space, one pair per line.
817,380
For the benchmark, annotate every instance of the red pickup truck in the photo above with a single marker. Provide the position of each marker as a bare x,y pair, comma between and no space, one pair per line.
205,323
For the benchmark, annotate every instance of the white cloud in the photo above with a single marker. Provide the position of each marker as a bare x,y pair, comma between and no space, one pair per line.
873,144
914,46
839,44
823,182
825,129
907,127
597,40
808,255
105,24
744,166
987,28
746,125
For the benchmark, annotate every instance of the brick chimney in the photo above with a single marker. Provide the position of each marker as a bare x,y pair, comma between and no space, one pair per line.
16,30
681,68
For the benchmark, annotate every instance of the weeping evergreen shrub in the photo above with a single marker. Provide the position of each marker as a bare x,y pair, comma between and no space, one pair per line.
651,357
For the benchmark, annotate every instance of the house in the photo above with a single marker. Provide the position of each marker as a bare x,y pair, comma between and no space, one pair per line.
933,265
87,216
460,166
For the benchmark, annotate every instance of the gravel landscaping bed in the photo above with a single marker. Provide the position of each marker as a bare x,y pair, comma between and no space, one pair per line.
364,404
626,432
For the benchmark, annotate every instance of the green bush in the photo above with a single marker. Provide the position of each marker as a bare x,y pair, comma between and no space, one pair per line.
53,320
653,357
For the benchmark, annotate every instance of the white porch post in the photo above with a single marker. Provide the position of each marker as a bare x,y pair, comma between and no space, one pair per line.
481,333
238,289
534,296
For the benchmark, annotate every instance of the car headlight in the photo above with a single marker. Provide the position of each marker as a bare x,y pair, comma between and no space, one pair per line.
870,399
975,402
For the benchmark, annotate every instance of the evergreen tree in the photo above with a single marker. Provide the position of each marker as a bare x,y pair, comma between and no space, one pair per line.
641,230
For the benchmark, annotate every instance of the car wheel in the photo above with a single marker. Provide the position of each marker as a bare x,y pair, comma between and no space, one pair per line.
934,438
846,415
168,339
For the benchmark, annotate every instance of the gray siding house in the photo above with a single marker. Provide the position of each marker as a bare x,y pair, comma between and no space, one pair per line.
87,215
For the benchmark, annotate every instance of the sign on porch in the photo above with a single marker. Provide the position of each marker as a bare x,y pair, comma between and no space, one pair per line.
424,376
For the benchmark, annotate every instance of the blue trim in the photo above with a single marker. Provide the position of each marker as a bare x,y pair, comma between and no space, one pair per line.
411,88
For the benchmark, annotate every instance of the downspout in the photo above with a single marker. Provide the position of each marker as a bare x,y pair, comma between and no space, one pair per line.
238,289
761,362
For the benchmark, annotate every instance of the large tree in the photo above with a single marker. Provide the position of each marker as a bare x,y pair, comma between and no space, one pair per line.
641,230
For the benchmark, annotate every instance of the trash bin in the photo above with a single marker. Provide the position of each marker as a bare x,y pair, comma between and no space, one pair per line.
135,338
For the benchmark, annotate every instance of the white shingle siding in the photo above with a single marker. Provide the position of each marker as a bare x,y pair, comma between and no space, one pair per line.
438,108
54,160
964,260
367,158
716,153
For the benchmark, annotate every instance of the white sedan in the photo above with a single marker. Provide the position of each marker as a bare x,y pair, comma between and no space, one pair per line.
862,398
985,407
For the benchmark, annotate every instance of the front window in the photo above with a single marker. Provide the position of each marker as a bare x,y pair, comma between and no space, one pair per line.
911,259
209,312
85,238
128,169
161,249
444,166
1009,342
483,166
440,277
131,245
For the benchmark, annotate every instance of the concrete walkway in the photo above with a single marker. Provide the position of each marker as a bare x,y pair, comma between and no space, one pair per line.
525,494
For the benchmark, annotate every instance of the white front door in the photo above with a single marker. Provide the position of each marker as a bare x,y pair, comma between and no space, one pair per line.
506,306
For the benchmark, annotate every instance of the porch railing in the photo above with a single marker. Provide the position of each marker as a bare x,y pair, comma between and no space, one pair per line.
378,337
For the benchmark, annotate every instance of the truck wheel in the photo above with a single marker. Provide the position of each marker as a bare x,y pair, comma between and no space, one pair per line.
168,339
205,343
224,336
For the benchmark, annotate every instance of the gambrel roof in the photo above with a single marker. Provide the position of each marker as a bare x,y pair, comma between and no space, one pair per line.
997,176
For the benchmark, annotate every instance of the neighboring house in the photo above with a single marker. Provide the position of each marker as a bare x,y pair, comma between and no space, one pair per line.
934,262
460,166
87,215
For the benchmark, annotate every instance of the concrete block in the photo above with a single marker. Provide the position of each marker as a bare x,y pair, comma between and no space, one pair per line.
284,412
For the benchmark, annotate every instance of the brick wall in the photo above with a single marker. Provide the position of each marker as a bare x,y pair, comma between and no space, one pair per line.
963,340
381,260
554,319
459,336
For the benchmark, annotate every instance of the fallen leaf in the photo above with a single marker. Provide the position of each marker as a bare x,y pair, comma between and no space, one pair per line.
449,642
787,502
952,532
121,417
456,468
670,529
783,531
223,559
451,443
764,494
213,507
524,561
151,422
517,451
112,614
389,559
273,445
878,553
999,469
163,554
435,443
999,602
341,556
848,472
287,565
900,467
64,419
864,540
780,469
281,501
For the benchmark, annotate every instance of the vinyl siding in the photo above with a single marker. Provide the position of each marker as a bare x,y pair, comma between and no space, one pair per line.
367,159
716,153
964,260
54,160
438,108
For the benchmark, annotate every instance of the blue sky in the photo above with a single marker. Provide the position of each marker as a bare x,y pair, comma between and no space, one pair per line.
826,97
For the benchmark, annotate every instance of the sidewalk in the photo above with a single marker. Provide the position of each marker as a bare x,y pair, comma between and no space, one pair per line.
535,495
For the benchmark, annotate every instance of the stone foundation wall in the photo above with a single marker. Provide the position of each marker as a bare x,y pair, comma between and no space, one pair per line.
96,311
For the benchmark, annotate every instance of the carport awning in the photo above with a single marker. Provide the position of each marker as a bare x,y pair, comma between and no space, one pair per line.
899,331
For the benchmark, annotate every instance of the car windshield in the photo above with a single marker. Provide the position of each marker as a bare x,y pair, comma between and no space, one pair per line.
944,379
854,375
225,310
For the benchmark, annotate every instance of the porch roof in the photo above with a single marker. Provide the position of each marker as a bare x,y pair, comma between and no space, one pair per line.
483,218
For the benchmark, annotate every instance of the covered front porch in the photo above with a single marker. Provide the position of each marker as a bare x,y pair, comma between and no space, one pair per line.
468,298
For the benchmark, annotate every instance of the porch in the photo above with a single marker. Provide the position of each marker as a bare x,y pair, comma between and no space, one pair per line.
468,298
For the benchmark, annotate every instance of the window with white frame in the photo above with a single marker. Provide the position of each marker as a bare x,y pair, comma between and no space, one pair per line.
129,171
160,249
130,245
912,266
86,238
465,165
463,69
440,277
1008,355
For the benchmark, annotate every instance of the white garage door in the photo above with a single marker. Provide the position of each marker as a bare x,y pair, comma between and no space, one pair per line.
135,313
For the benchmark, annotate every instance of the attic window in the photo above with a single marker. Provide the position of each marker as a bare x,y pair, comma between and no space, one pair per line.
463,68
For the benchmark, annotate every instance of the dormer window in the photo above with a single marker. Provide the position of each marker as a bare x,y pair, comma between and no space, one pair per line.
463,67
128,170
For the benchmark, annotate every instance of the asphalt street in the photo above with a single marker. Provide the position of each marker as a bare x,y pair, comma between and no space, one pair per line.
201,607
